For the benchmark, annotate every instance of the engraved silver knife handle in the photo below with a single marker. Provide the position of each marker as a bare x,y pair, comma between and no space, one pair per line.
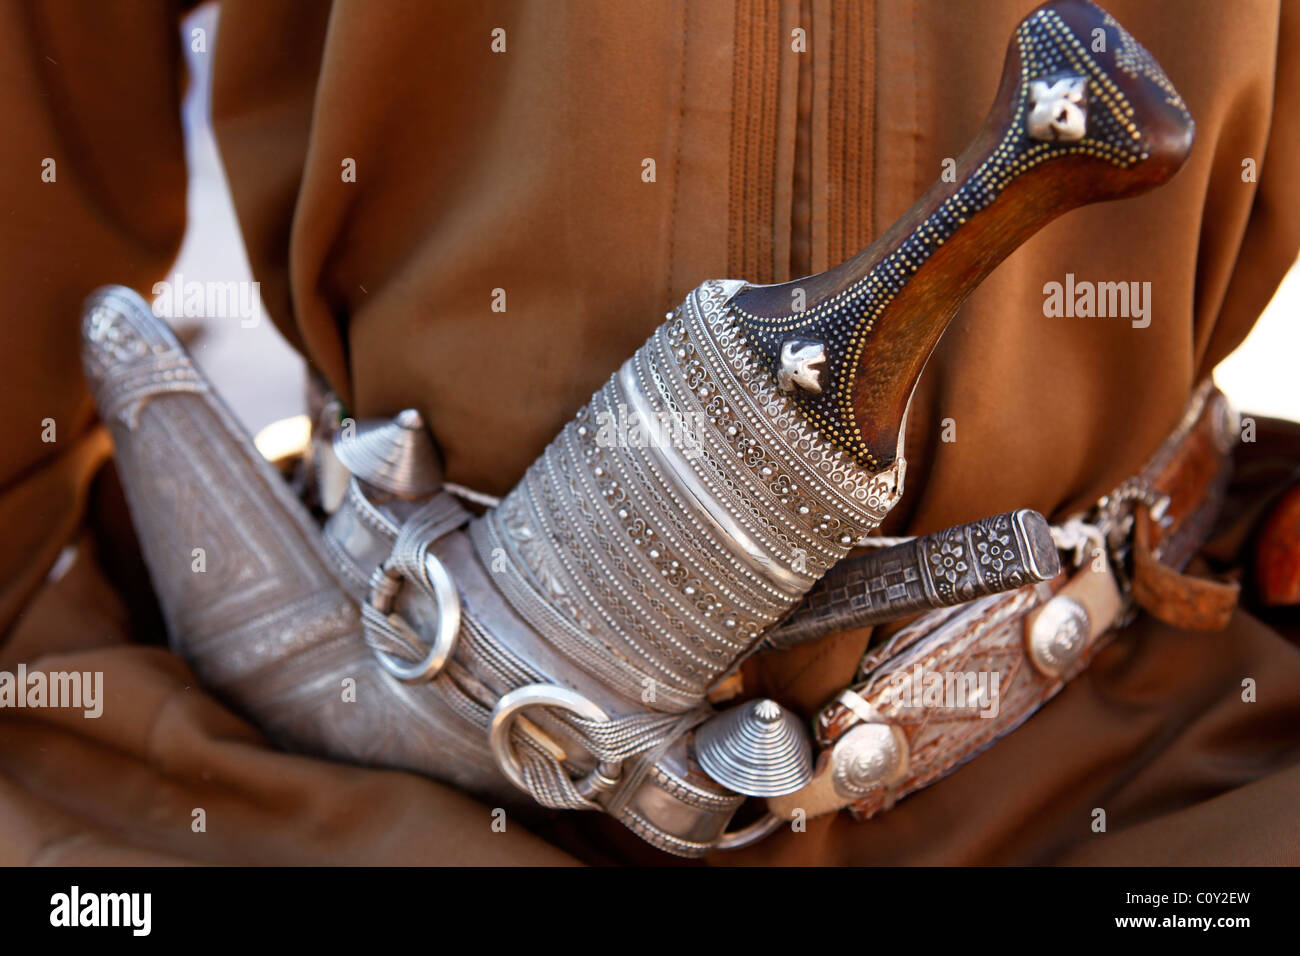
948,567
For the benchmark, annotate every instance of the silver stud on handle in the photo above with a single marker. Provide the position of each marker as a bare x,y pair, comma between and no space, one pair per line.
799,358
1058,109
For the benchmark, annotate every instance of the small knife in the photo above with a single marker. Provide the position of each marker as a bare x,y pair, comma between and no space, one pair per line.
988,556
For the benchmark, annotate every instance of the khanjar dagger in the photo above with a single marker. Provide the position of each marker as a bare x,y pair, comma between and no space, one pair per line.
560,648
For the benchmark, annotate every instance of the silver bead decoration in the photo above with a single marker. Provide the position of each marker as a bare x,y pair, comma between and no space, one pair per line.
868,756
758,749
394,455
1058,635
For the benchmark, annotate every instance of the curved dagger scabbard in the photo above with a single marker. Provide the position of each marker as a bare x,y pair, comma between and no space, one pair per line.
565,642
250,594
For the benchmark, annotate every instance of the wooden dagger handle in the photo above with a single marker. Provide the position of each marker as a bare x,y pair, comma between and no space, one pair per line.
1083,114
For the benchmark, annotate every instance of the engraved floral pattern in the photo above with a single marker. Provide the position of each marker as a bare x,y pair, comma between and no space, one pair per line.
949,561
995,551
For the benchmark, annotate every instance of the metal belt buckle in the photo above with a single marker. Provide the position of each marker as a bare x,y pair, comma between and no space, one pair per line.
1114,520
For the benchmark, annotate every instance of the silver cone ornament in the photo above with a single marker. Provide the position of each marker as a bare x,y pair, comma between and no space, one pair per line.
394,455
759,749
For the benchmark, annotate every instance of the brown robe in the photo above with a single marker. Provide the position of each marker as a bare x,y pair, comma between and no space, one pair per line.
523,171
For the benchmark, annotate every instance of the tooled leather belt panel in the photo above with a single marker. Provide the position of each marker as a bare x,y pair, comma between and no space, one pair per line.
954,681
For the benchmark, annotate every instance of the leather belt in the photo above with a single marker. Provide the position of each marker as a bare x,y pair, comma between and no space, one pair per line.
956,680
